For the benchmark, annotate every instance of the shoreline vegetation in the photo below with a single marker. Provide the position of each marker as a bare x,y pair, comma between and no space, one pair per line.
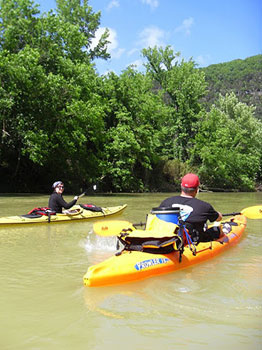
140,131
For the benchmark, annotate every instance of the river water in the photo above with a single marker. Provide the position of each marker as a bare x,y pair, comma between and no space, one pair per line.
44,305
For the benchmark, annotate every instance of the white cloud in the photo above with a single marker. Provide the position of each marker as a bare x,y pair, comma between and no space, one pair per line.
113,40
117,53
113,3
152,3
133,51
112,47
186,26
152,36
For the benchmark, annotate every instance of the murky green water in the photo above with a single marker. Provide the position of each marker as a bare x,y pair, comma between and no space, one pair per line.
44,306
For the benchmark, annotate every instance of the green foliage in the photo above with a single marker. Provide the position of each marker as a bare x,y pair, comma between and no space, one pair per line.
174,170
60,120
134,123
49,108
228,146
77,25
183,86
243,77
19,24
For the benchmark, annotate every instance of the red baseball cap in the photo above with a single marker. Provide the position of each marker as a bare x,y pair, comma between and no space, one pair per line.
190,181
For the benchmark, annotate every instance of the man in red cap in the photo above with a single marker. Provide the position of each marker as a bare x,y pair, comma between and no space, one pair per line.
197,212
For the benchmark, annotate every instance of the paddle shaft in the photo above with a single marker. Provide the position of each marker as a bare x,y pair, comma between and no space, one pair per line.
254,212
89,188
231,214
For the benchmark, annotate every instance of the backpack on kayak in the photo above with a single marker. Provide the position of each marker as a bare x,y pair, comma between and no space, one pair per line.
38,212
165,232
160,237
177,215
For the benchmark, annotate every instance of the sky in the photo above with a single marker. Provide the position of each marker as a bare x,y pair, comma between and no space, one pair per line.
208,31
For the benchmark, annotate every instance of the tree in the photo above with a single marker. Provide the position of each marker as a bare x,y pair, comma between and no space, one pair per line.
243,77
228,145
19,25
135,115
49,108
183,86
77,27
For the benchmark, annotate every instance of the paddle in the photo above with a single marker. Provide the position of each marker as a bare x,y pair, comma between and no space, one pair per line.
254,212
94,187
84,193
113,228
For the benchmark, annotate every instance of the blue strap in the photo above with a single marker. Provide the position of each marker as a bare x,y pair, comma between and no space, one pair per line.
188,237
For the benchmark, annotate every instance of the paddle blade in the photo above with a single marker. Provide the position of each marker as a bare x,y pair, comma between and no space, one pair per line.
111,227
254,212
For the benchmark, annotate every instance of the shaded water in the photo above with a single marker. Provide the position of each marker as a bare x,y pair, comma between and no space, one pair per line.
44,306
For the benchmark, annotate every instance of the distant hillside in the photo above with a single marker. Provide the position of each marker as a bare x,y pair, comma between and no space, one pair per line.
243,77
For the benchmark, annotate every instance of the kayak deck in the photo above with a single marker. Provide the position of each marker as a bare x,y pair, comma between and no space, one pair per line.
77,213
133,266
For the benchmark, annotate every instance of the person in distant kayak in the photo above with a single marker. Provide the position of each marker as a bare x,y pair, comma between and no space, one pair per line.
197,212
56,200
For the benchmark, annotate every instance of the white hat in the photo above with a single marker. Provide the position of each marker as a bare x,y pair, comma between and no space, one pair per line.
55,184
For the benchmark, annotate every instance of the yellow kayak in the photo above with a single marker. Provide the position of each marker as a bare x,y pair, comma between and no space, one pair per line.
76,213
130,266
